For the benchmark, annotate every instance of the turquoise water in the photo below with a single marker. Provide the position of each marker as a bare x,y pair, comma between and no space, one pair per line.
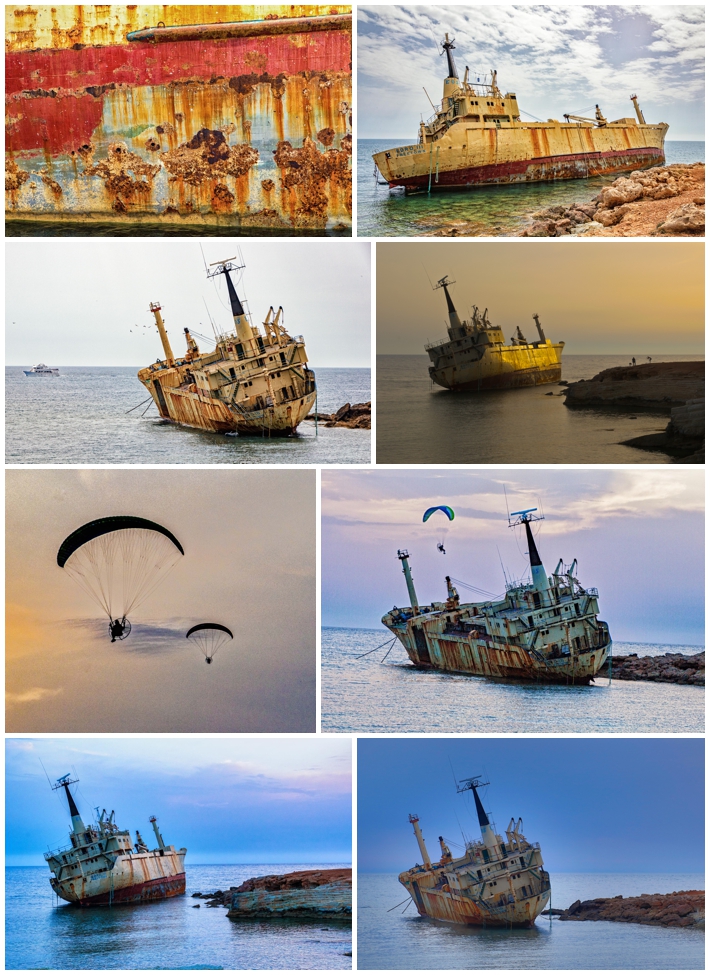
404,941
496,211
420,423
394,697
81,417
169,934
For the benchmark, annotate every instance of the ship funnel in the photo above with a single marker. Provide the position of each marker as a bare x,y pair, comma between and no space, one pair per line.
77,823
426,860
448,46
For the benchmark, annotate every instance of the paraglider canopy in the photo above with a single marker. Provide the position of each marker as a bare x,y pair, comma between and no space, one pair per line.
209,637
449,512
119,561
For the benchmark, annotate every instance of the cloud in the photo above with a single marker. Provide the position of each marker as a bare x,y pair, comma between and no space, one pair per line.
32,695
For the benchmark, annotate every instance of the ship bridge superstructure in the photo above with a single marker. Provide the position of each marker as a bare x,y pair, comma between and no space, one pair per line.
546,630
499,881
256,381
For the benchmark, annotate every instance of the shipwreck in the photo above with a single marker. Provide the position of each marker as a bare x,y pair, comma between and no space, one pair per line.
252,383
497,882
476,356
476,136
103,866
546,630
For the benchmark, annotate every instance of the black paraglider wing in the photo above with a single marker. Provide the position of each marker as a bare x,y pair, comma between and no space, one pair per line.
102,526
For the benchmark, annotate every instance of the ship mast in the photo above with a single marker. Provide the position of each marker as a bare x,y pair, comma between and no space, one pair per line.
169,357
455,328
451,82
487,834
241,324
403,556
539,576
77,823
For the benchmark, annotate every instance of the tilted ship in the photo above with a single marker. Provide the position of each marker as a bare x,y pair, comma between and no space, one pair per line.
476,136
546,630
103,865
252,383
476,357
496,882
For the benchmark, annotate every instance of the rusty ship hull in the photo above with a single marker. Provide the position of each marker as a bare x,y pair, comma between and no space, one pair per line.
460,908
234,116
133,880
501,368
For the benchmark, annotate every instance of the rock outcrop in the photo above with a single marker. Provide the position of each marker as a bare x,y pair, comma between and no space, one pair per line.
305,894
681,909
662,201
357,416
668,668
684,437
649,384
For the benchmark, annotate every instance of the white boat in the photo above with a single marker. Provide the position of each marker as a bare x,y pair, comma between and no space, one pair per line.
41,370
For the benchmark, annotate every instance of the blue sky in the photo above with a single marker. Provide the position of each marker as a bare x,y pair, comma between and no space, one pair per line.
595,805
637,533
228,800
556,59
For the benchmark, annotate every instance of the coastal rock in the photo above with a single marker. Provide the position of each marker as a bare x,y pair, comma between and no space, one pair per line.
678,910
644,203
356,417
652,384
670,668
305,894
684,437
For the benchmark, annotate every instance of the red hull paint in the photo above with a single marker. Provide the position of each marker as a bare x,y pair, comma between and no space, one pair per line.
540,169
151,890
143,63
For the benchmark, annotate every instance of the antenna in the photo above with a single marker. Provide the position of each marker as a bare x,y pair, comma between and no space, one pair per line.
523,517
506,503
443,283
474,783
64,780
203,259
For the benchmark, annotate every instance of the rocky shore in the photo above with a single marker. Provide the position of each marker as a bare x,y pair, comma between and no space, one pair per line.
663,201
304,894
681,909
670,668
357,417
684,437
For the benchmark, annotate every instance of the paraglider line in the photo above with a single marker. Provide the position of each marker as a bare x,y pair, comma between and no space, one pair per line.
376,648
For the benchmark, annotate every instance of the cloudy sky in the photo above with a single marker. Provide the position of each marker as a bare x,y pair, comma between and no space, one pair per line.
249,563
85,303
621,794
597,298
226,800
556,58
638,536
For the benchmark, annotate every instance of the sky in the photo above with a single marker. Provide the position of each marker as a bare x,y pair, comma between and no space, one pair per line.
557,58
249,564
86,303
637,535
624,297
597,805
234,800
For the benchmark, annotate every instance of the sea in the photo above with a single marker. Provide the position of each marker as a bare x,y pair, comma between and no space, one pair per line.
420,423
486,211
170,934
401,940
367,695
87,415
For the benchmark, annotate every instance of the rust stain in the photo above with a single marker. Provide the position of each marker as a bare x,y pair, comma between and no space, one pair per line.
126,176
326,136
207,156
14,177
51,183
307,171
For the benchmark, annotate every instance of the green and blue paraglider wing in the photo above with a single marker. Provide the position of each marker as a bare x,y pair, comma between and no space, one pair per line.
449,512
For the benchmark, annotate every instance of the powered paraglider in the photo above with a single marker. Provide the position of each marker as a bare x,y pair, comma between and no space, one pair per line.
209,637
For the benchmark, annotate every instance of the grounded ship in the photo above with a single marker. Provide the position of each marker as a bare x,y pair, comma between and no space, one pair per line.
41,370
103,866
495,882
545,631
476,357
476,136
253,384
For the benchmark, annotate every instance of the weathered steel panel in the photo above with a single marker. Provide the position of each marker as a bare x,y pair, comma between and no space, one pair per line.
188,122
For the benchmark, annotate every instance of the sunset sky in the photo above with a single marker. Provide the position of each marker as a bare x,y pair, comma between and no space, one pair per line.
556,58
621,794
598,297
101,317
637,534
249,564
226,800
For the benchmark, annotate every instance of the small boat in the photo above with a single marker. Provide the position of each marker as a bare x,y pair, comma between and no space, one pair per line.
41,370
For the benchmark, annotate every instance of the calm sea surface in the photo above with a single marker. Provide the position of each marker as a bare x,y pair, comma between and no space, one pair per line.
80,417
367,695
486,211
420,423
167,934
406,941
